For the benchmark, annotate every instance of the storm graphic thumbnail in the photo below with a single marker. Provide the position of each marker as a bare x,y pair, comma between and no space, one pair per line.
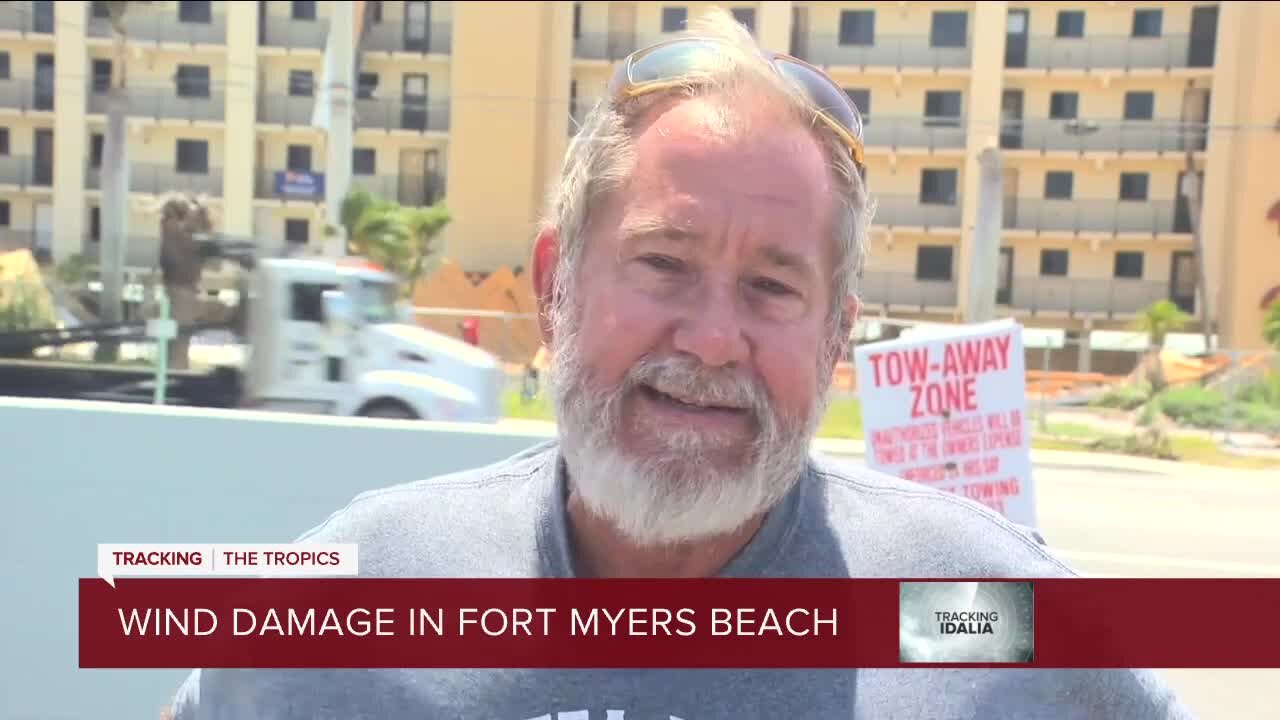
965,622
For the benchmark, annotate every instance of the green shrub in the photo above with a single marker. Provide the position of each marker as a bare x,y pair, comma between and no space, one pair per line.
1125,397
1195,406
1265,391
1255,417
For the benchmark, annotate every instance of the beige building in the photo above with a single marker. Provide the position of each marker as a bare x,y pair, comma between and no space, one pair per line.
1096,109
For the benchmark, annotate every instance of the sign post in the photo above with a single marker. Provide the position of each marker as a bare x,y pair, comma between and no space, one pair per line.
950,411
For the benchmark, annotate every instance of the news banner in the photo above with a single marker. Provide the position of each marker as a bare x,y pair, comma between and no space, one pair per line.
305,606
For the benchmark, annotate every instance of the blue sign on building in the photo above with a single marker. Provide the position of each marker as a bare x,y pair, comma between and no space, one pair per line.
299,184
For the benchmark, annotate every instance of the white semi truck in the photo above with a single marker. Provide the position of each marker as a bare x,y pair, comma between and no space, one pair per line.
322,336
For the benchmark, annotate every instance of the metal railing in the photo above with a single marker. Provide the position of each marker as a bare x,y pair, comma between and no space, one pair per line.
887,51
22,170
1112,296
159,23
287,32
1045,52
22,16
604,46
156,179
141,251
1103,135
164,103
11,239
908,211
899,288
285,109
1092,215
26,94
395,113
390,37
914,132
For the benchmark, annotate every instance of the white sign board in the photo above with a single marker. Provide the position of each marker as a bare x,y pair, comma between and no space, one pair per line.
950,411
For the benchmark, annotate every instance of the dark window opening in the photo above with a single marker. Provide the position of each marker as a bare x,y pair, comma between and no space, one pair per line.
95,150
301,83
1139,105
195,11
1053,262
95,223
1070,23
746,17
304,10
4,141
192,81
297,231
193,156
298,158
1148,22
942,108
938,187
364,161
4,65
933,262
366,85
1064,105
4,213
1057,185
949,29
674,19
101,76
1133,185
857,27
1128,265
861,98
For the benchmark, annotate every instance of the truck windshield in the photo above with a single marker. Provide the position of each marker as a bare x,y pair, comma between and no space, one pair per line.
378,301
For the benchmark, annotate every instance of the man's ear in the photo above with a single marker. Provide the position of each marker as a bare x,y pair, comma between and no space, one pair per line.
546,254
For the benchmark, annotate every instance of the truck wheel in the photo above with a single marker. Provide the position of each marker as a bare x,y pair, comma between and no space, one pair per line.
390,409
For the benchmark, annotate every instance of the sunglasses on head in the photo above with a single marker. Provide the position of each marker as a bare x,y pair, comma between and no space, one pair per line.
673,63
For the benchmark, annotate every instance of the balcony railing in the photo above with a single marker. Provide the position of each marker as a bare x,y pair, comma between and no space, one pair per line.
390,37
898,288
407,190
604,46
1098,135
914,132
11,239
27,17
403,114
1101,216
281,184
141,251
156,179
165,103
1085,295
22,170
896,51
26,94
909,211
160,24
1112,52
287,32
285,109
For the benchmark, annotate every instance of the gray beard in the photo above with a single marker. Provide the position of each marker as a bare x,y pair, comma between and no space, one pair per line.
682,489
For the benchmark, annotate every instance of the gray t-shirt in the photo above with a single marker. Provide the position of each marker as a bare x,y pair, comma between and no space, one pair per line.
508,520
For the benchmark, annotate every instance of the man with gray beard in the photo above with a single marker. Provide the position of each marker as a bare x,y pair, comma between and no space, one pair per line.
695,277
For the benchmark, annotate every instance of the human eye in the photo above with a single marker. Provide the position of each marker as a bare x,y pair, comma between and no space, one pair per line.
663,263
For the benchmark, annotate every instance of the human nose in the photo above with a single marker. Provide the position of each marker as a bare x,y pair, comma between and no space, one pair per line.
712,330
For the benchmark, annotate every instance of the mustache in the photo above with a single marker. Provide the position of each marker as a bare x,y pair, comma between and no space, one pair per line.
688,380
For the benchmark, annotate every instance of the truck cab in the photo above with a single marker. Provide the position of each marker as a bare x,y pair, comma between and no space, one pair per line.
331,337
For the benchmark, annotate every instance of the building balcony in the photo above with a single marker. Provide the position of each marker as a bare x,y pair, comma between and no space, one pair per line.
141,251
285,32
409,191
913,132
290,185
1094,296
395,37
889,51
904,289
160,24
27,17
1094,216
396,113
603,46
909,211
1106,136
26,95
154,179
23,171
164,103
12,239
1114,52
285,109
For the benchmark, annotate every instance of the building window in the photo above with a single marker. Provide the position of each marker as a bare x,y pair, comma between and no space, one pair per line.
304,10
1128,265
1064,105
4,213
942,108
950,29
861,98
297,231
195,11
367,85
301,83
674,19
193,156
192,81
1070,23
4,141
101,76
1147,22
938,187
95,150
298,158
1139,105
1053,262
933,262
1057,185
100,10
857,27
746,17
95,223
4,65
364,161
375,11
577,20
1133,185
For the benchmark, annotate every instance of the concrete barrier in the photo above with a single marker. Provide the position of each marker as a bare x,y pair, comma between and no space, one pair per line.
75,474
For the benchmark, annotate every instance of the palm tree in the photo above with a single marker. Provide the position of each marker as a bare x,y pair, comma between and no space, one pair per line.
1271,326
424,225
1158,320
375,229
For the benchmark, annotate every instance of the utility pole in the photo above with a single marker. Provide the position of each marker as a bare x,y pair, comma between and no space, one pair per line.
985,246
1190,189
